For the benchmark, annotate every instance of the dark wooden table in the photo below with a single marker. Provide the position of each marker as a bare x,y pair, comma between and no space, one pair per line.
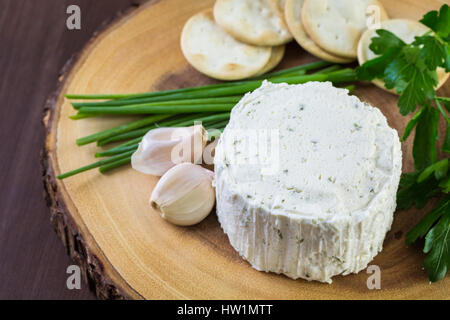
34,46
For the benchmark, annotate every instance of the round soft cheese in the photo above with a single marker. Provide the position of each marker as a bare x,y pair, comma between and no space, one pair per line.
306,179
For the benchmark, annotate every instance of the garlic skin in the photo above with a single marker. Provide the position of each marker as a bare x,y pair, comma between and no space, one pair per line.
184,195
163,148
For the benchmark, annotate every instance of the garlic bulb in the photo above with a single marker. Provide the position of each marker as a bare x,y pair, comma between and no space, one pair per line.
184,195
163,148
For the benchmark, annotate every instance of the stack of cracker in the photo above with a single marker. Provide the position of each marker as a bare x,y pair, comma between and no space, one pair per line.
237,39
240,39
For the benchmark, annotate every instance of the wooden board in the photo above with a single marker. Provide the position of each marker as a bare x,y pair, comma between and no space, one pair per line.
125,248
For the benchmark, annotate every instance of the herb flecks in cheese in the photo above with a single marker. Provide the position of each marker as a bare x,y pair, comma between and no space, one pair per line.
334,169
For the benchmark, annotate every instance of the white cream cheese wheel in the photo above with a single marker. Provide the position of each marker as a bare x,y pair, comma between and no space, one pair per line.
318,199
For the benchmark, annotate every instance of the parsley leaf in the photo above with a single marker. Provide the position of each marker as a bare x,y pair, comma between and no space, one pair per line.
410,69
388,46
433,51
421,229
424,147
445,185
437,246
412,193
439,169
398,72
447,57
402,67
375,68
445,101
412,124
386,41
415,189
446,145
438,22
412,96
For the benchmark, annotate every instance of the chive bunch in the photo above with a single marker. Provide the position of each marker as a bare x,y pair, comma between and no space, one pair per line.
210,104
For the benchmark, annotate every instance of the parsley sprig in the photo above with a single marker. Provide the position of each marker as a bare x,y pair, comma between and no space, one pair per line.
410,69
416,189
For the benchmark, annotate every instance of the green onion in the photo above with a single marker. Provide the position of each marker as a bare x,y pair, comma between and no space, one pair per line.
217,125
141,131
188,121
209,104
129,143
121,129
329,69
96,165
344,75
115,151
217,91
293,70
122,147
306,67
115,164
125,136
145,102
80,116
139,109
136,125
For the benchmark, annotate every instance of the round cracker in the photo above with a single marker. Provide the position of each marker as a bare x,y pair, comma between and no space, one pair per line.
292,13
279,4
275,59
252,21
278,7
405,30
337,25
212,51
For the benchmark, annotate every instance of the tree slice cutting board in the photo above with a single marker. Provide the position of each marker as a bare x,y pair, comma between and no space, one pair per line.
125,249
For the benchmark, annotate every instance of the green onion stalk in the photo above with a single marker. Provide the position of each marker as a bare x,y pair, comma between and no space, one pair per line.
209,105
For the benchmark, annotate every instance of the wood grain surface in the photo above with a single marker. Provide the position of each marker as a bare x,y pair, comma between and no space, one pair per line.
136,254
34,46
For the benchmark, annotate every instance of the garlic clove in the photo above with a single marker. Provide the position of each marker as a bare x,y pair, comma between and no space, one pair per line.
163,148
184,195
